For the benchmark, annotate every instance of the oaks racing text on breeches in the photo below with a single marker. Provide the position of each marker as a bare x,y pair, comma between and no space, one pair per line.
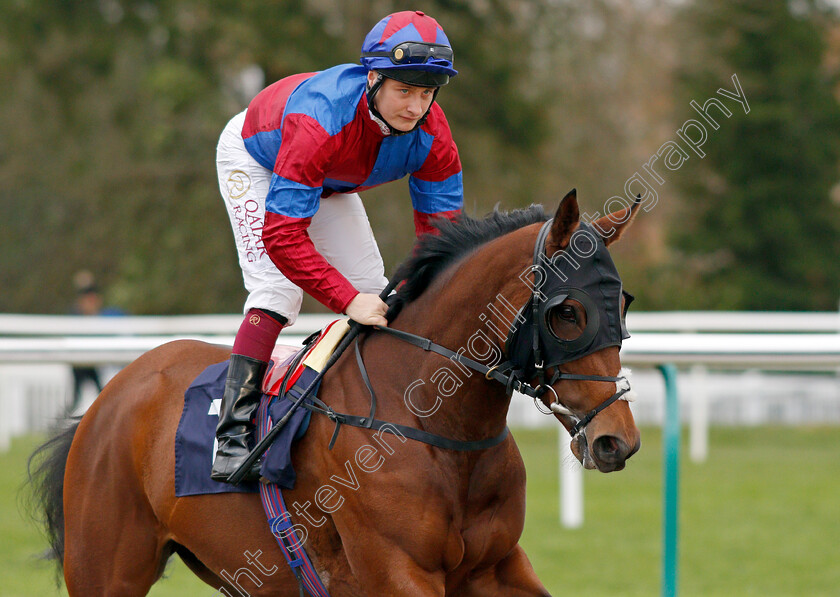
339,230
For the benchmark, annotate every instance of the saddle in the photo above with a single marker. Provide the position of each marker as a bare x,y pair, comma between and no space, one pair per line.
292,371
195,436
288,361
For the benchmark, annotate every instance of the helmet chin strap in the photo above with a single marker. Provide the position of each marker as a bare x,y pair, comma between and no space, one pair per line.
371,94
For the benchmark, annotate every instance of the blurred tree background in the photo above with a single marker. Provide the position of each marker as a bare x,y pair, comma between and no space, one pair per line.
111,110
762,229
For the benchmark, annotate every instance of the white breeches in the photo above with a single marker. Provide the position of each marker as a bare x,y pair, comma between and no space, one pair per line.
339,230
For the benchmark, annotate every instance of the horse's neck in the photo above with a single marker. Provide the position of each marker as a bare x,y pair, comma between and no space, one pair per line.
456,315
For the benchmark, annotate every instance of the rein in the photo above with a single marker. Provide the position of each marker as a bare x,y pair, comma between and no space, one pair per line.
511,381
370,422
504,373
509,373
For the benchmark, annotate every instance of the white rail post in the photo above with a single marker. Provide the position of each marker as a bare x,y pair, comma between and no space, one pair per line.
5,421
699,408
13,404
571,483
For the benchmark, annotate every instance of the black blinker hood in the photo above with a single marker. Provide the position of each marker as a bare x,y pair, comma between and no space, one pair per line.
583,272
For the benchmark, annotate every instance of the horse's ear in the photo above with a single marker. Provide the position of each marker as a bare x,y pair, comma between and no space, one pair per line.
565,223
613,225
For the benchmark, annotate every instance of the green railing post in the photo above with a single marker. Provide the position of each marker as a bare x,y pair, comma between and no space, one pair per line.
671,482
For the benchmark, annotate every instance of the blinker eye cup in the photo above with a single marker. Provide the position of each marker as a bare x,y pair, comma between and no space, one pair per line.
411,52
550,307
569,345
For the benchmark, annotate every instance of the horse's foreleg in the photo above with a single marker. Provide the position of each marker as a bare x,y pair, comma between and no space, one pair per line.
512,577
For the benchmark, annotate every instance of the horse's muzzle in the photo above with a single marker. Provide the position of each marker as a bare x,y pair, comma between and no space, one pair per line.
608,453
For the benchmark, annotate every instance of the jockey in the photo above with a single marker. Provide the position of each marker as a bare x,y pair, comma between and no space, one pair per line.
290,169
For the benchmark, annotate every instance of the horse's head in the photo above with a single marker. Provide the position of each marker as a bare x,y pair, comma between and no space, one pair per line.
562,345
567,336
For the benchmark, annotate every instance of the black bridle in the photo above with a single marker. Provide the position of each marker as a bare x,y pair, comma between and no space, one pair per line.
506,374
513,374
534,361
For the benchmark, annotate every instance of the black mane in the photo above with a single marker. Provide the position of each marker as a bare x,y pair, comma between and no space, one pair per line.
435,252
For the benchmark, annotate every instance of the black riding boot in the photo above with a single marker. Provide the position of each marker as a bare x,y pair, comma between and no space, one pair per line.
243,390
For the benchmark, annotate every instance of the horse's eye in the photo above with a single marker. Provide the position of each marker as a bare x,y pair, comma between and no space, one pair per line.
567,313
566,321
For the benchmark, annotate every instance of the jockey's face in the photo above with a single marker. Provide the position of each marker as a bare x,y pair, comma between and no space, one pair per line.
400,104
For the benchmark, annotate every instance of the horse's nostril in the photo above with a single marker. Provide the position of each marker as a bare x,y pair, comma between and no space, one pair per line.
611,449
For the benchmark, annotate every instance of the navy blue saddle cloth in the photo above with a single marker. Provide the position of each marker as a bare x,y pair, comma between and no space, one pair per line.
195,439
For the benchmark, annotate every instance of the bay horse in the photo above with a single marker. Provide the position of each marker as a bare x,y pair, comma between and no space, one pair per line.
407,519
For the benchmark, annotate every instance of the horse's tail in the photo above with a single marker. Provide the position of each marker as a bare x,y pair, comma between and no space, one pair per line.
46,481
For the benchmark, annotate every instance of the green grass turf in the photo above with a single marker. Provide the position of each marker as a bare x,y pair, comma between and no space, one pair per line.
760,517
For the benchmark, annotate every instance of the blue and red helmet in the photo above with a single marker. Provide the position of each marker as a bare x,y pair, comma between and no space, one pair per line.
410,47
